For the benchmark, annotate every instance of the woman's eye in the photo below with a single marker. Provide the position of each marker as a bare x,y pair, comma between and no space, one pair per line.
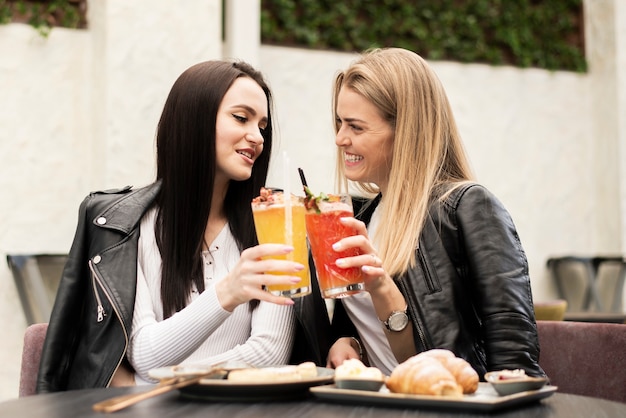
355,127
240,118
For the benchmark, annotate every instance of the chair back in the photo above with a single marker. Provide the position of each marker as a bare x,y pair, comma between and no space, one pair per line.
572,278
590,284
34,337
37,278
610,284
584,358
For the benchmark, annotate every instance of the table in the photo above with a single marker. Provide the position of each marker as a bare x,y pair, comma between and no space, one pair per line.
78,404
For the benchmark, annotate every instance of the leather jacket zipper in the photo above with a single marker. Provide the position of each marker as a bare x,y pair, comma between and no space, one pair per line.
97,282
430,283
94,279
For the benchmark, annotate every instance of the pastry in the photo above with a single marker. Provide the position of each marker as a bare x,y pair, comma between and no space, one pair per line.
355,369
302,371
464,374
307,370
423,376
462,371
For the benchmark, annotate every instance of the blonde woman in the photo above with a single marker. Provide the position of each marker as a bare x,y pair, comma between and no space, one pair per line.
443,263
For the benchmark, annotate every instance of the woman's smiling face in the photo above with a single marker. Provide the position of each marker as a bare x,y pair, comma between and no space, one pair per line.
365,138
241,117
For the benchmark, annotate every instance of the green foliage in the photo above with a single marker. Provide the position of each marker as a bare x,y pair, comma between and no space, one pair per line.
523,33
43,15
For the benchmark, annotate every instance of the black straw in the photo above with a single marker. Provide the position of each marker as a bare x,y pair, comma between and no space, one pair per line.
302,178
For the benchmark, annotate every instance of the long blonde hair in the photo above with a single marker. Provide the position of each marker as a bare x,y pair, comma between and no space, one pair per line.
428,160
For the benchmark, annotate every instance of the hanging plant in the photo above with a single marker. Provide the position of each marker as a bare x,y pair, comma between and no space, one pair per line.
522,33
43,15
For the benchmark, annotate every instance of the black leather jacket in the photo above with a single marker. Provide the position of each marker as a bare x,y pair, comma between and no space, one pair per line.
91,320
470,290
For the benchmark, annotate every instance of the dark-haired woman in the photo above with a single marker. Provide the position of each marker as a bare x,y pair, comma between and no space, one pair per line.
171,273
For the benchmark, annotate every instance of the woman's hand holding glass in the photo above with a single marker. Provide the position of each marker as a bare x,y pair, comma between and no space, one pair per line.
247,280
369,262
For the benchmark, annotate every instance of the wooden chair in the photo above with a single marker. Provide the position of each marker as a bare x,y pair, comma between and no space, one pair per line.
552,310
34,337
585,358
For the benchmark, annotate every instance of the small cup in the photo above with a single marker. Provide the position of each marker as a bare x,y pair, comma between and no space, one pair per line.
371,385
511,385
323,230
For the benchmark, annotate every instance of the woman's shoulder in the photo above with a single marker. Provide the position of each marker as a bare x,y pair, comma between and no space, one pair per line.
468,193
121,203
102,198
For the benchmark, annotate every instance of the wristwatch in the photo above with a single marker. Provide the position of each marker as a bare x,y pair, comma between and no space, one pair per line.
397,321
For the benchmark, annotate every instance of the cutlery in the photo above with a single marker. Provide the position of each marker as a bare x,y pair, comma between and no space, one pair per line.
120,402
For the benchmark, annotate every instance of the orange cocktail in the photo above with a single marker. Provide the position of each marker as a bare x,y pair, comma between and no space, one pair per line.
324,229
280,222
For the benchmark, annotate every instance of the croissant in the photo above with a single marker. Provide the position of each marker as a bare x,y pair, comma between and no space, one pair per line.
439,353
423,376
464,374
462,371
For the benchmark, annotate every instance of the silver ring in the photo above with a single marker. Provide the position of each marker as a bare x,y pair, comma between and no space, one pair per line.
375,260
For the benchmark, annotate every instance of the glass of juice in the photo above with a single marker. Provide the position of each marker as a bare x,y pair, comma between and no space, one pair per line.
323,230
282,222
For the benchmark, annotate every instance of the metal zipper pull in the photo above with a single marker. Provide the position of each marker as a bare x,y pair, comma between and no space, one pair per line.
101,313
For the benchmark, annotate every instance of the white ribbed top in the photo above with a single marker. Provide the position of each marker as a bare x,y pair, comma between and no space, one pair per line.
203,332
360,309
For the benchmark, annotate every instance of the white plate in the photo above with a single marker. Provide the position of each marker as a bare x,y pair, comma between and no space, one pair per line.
485,398
225,390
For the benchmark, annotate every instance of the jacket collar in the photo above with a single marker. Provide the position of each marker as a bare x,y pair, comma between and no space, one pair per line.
124,213
365,212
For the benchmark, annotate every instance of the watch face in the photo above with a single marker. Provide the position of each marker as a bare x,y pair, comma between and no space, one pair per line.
398,321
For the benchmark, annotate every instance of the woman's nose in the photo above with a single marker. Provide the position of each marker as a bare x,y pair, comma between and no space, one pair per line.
255,137
341,138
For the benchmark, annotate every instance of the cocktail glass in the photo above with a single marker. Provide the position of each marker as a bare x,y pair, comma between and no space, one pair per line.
323,230
280,222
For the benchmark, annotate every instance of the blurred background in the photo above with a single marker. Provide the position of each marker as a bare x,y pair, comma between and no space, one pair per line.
539,96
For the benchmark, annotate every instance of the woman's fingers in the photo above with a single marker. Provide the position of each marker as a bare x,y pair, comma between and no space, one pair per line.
247,280
264,250
271,265
340,351
359,226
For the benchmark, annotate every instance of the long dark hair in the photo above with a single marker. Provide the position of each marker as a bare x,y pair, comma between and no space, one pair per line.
186,168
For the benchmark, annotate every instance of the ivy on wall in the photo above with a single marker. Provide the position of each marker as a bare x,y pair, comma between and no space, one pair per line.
523,33
43,15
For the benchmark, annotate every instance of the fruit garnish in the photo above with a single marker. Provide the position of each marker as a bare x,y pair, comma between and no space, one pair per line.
313,202
265,195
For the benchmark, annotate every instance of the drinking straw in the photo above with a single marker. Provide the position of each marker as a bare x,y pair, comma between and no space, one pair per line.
302,178
287,199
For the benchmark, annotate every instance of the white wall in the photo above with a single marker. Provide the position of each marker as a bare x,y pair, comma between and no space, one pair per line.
78,112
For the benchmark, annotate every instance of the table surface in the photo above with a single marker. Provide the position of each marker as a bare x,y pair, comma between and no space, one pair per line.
79,404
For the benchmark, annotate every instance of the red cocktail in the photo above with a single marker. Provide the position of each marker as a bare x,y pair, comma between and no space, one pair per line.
323,230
